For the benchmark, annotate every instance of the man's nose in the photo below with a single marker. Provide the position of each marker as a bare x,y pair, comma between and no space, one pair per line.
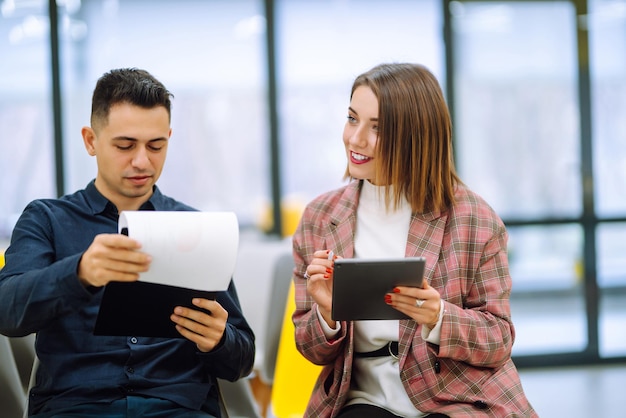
141,158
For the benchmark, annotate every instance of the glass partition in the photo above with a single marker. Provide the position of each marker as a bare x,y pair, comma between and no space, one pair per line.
26,143
322,46
606,23
210,55
547,301
516,106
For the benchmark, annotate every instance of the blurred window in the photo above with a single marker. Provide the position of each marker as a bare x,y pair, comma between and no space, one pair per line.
516,106
607,38
322,46
26,143
547,301
211,56
606,23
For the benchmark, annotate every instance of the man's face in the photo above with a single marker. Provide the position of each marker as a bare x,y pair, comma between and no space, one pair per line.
130,150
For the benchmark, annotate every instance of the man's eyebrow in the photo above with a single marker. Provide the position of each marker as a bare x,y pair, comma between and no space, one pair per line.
127,138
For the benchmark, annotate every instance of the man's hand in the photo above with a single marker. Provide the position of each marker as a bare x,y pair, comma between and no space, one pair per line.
206,330
112,258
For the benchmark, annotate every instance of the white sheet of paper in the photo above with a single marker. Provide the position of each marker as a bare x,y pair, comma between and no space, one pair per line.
196,250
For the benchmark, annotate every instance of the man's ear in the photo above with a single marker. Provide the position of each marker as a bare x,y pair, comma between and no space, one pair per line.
89,136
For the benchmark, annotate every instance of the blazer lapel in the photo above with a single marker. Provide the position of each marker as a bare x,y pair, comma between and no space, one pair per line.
340,237
424,240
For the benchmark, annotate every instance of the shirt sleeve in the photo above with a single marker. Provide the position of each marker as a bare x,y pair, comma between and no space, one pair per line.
234,357
35,288
329,332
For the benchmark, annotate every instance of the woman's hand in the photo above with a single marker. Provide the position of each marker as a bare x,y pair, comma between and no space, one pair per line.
204,329
421,304
319,275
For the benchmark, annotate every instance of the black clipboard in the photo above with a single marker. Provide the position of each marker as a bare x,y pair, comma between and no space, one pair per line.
359,286
143,309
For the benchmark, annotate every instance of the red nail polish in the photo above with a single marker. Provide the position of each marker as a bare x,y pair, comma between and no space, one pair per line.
388,299
396,290
328,270
326,276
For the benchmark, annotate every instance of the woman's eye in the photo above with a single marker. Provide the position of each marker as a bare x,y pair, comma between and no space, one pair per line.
351,119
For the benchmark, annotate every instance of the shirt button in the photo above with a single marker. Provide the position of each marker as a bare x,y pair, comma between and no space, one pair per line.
131,370
133,340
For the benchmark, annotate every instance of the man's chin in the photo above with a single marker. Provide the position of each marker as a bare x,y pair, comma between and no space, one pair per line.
139,191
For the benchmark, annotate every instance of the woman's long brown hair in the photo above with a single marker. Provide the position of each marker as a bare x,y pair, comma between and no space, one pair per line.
414,147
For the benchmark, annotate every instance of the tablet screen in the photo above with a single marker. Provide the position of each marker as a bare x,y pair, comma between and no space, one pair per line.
359,286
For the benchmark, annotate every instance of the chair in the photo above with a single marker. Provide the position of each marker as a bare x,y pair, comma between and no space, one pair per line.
283,272
262,276
256,278
282,276
237,399
24,354
12,397
31,383
294,376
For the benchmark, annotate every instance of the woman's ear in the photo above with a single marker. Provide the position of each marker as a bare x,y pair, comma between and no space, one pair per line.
89,136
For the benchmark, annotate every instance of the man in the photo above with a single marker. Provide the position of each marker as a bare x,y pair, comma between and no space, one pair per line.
64,251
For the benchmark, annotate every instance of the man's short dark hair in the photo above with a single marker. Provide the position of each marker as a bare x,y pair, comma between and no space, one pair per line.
127,85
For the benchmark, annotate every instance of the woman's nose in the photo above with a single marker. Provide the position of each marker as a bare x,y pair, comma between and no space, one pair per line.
358,137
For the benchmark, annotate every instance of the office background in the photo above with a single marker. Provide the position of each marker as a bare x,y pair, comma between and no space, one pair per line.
537,91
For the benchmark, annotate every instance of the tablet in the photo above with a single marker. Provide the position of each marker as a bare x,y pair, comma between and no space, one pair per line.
359,286
143,309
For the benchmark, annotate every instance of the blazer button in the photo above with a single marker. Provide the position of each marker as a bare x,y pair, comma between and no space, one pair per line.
481,405
437,366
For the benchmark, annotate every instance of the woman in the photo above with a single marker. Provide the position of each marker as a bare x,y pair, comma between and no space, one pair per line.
405,199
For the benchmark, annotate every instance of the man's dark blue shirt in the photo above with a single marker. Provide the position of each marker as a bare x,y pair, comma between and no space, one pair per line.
40,293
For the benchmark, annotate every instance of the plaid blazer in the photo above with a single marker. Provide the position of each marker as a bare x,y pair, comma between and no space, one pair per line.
470,374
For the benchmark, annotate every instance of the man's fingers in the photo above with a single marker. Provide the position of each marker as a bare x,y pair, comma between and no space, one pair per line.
117,241
130,258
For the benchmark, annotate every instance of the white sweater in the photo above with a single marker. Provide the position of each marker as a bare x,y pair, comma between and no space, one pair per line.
379,234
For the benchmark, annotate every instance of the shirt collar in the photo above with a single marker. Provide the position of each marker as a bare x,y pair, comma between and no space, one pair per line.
101,205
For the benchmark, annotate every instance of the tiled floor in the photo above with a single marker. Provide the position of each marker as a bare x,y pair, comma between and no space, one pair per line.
577,392
574,392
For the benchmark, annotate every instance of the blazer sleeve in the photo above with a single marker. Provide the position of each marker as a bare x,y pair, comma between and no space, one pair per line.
477,327
309,335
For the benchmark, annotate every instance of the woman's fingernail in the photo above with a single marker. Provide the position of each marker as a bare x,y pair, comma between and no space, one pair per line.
329,270
388,299
396,290
326,276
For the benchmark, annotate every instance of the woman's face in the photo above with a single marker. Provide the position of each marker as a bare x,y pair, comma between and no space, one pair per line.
361,133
